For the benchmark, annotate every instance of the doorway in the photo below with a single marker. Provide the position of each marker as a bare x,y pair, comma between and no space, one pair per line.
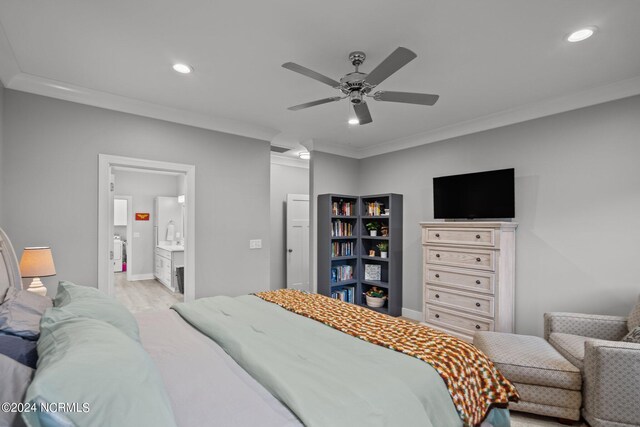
148,241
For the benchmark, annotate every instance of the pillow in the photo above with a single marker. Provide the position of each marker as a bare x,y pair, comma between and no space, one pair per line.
634,317
84,301
20,313
633,336
15,380
91,363
19,349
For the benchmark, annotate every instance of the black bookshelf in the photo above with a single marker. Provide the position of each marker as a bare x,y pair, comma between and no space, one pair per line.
365,249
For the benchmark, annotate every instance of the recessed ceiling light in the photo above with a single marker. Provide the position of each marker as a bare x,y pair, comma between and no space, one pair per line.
182,68
581,34
305,155
354,121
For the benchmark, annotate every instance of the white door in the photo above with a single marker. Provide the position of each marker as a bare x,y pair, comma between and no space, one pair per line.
298,241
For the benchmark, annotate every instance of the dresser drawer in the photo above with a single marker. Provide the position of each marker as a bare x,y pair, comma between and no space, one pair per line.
464,323
467,236
473,258
163,253
471,303
478,281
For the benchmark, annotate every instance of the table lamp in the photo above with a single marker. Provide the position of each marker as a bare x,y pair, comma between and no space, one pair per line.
37,262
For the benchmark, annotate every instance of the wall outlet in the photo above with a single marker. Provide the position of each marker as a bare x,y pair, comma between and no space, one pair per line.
255,244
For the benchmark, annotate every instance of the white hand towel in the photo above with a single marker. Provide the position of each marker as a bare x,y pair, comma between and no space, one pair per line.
171,231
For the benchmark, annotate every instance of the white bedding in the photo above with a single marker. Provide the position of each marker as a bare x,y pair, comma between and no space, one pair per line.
205,385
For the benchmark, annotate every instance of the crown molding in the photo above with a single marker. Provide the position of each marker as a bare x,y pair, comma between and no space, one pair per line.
68,92
279,159
597,95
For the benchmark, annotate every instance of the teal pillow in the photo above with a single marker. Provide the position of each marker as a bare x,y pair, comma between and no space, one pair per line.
89,302
110,378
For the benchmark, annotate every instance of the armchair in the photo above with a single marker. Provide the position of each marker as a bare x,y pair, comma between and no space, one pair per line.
610,367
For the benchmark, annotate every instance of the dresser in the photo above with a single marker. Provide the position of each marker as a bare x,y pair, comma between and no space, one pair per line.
469,276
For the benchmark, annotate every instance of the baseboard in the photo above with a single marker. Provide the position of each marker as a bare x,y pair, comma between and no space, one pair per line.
412,314
136,277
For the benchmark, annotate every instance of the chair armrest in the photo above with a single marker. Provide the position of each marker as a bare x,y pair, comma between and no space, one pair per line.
602,327
611,385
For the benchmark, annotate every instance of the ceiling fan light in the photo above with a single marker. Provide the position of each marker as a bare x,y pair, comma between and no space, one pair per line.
581,34
182,68
354,121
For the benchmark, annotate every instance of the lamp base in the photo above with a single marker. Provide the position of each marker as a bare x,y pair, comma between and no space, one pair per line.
37,287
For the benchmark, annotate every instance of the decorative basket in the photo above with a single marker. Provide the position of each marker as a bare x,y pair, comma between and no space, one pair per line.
375,302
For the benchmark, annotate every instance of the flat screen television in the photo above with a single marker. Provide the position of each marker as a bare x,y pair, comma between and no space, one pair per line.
480,195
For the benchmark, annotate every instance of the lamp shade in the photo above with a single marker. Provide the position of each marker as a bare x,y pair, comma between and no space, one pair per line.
37,262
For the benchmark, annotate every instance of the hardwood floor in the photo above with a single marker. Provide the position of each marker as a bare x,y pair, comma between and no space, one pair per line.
144,295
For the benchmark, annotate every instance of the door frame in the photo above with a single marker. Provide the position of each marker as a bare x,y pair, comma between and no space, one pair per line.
105,211
129,249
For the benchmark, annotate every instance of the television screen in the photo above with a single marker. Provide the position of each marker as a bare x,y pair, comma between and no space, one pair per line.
474,195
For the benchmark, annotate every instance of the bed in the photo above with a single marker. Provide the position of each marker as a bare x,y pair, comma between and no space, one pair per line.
243,361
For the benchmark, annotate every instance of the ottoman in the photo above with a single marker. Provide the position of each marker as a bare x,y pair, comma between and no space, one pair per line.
547,383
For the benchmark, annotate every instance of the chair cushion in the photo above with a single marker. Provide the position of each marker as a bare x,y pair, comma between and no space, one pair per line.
633,320
529,360
570,346
633,336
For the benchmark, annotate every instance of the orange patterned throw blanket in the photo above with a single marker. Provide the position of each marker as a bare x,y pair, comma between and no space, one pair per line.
473,381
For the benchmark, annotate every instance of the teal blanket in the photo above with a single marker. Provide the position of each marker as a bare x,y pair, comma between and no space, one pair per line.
326,377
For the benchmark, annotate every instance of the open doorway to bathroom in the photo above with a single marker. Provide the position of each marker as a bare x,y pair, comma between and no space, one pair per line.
146,232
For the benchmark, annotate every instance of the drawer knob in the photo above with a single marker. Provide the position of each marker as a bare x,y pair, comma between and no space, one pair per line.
437,316
437,295
477,304
437,255
477,236
477,326
478,259
477,282
437,276
437,234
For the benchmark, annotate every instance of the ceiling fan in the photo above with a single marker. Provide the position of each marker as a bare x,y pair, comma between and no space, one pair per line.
357,85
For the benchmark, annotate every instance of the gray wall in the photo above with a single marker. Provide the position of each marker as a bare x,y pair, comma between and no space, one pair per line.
143,188
328,173
577,203
50,171
284,180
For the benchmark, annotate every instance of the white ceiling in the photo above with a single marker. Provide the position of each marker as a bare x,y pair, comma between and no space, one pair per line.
493,62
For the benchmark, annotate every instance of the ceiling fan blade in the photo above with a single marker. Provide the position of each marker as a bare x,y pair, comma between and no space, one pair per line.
310,73
407,97
314,103
363,114
398,59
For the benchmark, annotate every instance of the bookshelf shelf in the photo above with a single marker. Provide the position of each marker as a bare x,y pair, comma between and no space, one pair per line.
332,224
343,283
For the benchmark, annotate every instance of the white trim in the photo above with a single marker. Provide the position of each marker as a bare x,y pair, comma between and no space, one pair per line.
548,107
412,314
279,159
55,89
105,266
129,248
136,277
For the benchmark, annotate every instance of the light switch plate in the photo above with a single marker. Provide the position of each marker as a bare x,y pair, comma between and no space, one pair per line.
136,234
255,244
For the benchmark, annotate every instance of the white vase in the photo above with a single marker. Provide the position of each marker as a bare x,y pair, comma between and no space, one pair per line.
373,232
383,254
